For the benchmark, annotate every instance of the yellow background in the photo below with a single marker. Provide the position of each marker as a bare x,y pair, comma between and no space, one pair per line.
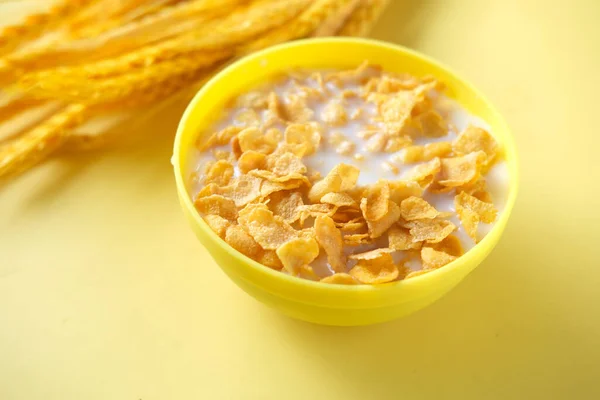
106,294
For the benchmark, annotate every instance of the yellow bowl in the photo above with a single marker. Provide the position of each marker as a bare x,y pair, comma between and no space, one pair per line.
313,301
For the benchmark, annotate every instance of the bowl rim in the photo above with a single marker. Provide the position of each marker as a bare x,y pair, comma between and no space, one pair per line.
186,201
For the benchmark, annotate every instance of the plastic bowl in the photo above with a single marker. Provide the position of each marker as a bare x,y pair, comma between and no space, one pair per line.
314,301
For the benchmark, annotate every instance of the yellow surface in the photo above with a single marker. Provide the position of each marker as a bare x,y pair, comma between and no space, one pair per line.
105,293
342,305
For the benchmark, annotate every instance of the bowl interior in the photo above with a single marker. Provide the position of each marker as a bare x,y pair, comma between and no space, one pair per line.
246,73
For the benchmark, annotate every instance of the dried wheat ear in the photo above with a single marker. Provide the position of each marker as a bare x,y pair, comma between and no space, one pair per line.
85,59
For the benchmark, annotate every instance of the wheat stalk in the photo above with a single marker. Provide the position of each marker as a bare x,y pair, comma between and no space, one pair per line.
154,77
16,105
95,60
302,26
236,28
86,24
39,142
178,19
34,25
336,20
363,19
168,22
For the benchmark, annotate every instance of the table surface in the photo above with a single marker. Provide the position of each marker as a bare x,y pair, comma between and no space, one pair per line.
106,294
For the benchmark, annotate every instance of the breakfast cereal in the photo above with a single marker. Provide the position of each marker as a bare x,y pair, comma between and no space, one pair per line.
349,177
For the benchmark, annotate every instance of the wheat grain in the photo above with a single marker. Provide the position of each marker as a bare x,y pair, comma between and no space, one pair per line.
16,105
34,25
33,146
178,19
302,26
111,89
169,22
363,19
96,62
120,87
336,20
103,13
236,28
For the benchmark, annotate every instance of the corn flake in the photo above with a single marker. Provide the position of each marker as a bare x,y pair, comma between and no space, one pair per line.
307,272
371,254
339,199
217,223
378,228
450,245
431,124
297,252
413,154
239,239
388,166
235,147
486,211
307,135
471,211
433,259
398,106
427,152
216,204
474,139
341,178
477,189
437,149
469,220
286,205
430,230
243,189
330,239
335,138
254,99
315,210
269,187
401,239
219,172
253,139
223,155
270,231
424,173
275,112
351,226
270,259
340,278
219,138
346,214
334,113
357,239
346,148
250,160
273,177
396,143
211,188
363,71
375,203
225,135
417,208
402,189
285,164
296,109
376,270
458,171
